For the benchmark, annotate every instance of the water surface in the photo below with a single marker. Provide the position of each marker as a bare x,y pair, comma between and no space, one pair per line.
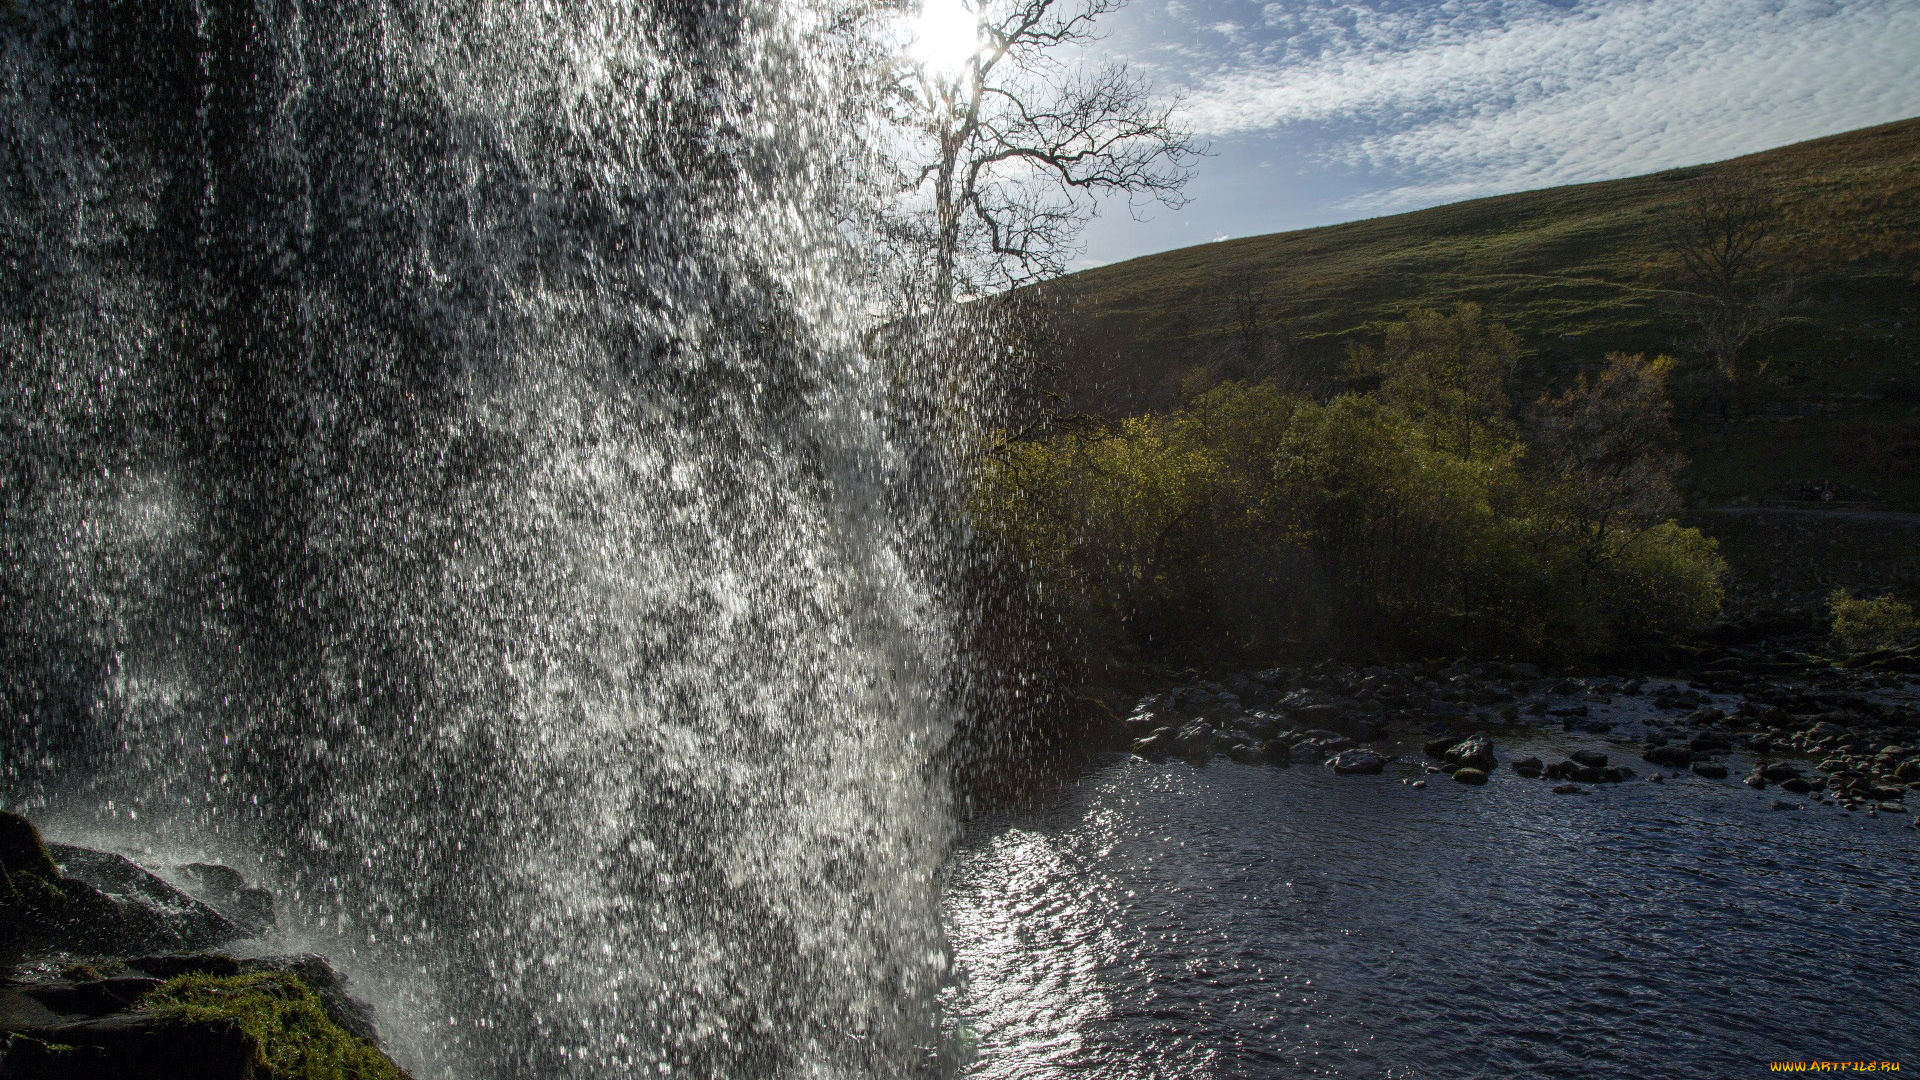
1155,920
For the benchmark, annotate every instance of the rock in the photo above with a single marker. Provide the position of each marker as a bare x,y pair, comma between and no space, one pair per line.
1569,789
1710,770
1470,776
225,890
1673,757
1360,762
98,902
1780,772
1473,753
136,1046
22,851
1710,742
1276,752
1656,778
1589,757
1423,783
1438,747
1153,747
1782,804
1568,710
1529,767
1796,785
1573,770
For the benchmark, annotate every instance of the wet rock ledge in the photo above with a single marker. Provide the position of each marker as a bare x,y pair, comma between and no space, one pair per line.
106,973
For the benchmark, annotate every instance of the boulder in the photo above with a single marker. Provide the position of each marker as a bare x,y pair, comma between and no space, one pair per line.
1277,752
1710,770
226,890
1360,762
1475,777
64,897
1673,757
1592,758
1473,753
1529,767
22,851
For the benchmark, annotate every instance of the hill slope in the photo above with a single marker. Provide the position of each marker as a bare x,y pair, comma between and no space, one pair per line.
1578,272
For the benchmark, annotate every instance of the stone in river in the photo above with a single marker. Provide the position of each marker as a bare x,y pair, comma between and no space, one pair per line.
1276,752
1470,776
1360,762
1569,789
1529,767
1473,753
1673,757
1710,770
1589,757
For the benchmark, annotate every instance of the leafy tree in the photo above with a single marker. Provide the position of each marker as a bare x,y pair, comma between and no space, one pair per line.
1605,451
1449,373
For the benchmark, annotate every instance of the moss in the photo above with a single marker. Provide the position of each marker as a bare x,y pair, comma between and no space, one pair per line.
277,1009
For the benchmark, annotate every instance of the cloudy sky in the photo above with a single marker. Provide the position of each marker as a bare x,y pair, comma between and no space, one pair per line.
1321,111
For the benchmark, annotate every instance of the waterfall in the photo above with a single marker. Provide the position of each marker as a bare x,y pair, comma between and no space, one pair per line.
443,461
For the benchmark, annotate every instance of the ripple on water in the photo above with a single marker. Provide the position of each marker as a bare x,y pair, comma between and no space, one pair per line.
1161,921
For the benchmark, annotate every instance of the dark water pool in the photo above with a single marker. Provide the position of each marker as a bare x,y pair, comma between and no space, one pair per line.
1155,920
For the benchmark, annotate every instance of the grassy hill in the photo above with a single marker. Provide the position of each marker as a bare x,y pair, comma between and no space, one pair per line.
1577,272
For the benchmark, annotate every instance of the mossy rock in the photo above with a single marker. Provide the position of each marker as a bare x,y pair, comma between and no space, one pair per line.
296,1037
22,850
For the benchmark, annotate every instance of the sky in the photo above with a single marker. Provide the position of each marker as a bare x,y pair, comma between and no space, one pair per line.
1321,111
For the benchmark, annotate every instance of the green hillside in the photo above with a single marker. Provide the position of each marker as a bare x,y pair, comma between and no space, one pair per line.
1577,272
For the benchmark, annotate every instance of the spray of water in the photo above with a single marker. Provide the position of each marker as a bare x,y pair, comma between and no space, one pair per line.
443,461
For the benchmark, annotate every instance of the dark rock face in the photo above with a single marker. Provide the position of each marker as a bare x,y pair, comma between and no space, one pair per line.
21,850
120,908
136,1046
225,890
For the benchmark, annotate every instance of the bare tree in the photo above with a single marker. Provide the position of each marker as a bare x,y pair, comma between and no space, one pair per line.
1017,146
1723,236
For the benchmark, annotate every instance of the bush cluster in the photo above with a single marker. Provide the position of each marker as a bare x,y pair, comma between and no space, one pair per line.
1862,625
1252,521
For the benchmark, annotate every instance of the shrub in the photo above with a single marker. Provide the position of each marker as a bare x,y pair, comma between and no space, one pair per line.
1251,517
1860,624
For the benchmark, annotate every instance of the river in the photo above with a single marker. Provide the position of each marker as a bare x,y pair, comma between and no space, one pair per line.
1154,920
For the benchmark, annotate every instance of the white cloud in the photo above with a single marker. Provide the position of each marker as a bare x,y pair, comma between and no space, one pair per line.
1471,97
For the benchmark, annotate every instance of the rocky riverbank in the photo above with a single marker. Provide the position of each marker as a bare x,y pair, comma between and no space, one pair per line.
1809,729
106,971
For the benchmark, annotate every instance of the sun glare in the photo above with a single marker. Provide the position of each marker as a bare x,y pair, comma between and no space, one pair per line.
945,35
